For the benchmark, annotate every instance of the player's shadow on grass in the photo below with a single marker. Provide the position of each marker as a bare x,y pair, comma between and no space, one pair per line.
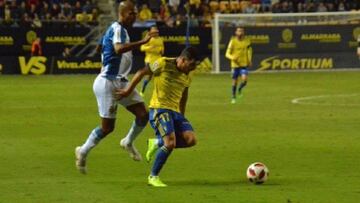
215,183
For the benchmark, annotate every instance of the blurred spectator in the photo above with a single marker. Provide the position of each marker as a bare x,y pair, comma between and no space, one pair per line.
276,8
285,8
207,17
87,7
195,7
234,7
214,6
36,23
300,8
265,5
330,7
32,11
341,7
66,53
2,10
224,7
67,11
55,11
21,10
145,13
164,13
174,5
25,20
194,21
7,15
249,9
256,4
321,7
154,5
77,8
32,3
13,8
44,10
310,7
179,20
36,49
95,14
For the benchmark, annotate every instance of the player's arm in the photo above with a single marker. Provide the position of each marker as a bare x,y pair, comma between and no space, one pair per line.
250,54
98,47
162,47
183,101
120,93
229,53
119,41
145,47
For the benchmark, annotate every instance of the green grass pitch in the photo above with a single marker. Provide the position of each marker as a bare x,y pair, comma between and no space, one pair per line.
312,149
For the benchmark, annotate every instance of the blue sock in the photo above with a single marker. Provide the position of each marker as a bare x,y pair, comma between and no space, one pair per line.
242,85
161,157
234,91
144,85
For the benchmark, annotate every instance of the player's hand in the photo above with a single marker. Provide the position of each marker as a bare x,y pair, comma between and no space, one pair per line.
250,64
121,93
150,35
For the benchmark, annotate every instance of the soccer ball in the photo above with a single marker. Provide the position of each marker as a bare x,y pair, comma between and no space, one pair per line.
257,173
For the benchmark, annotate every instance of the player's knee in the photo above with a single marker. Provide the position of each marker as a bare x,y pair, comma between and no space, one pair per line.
170,144
142,118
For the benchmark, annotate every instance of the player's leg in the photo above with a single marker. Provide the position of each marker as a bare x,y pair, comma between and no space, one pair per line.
235,76
141,118
163,124
161,157
185,135
185,139
145,83
244,79
154,143
107,111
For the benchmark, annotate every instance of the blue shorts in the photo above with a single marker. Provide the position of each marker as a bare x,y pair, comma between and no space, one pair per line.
165,122
239,71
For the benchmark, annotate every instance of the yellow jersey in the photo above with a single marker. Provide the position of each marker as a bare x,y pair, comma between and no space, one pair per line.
153,49
169,84
239,52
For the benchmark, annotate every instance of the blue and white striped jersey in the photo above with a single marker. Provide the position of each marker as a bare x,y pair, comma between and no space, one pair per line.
115,65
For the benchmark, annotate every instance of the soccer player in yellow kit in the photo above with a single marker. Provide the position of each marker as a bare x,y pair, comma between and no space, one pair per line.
239,52
154,49
167,107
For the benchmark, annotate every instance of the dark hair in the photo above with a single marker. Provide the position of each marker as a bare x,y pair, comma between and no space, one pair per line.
190,53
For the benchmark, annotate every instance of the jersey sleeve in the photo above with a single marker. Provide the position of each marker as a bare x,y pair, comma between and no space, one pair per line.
119,35
229,53
157,66
249,51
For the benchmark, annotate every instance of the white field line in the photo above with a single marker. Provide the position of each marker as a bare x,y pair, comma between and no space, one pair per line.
310,100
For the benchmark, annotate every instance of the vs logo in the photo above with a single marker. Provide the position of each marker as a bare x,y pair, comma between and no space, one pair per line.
35,65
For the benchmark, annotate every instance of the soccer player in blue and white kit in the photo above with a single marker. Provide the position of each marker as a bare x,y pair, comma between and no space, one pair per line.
117,62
